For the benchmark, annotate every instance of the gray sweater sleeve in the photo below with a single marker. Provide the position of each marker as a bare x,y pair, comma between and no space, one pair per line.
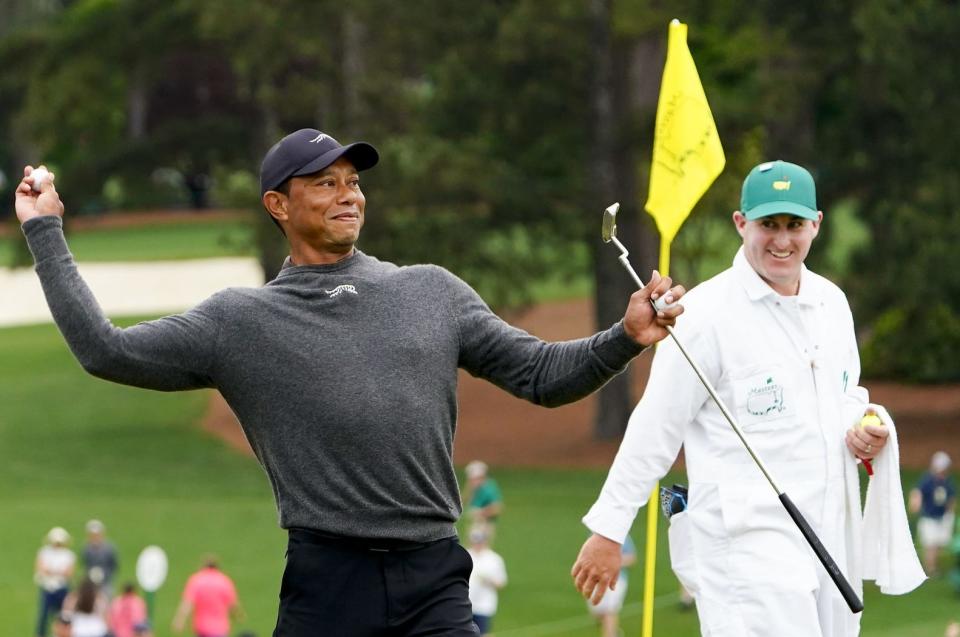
549,374
172,353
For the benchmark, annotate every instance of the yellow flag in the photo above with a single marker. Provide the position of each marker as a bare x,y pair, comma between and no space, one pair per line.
687,155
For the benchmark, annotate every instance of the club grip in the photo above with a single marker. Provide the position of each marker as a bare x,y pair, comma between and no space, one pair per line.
842,584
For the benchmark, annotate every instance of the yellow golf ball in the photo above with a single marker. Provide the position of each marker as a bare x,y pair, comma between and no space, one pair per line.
871,419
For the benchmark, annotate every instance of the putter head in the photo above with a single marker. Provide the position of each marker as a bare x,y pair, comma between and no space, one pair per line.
609,229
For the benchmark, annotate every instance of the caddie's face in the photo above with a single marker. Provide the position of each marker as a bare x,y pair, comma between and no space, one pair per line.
325,208
776,247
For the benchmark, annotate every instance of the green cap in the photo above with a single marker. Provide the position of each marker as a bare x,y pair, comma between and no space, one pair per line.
778,187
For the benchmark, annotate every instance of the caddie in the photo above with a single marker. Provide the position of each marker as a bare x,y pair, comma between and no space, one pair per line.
343,374
777,342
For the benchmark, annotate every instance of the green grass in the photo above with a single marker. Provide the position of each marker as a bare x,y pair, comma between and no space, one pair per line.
74,447
155,242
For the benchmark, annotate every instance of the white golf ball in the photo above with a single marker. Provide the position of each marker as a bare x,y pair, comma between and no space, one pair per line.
38,176
660,304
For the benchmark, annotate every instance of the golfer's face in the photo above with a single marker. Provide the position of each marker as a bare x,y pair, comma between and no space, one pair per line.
776,246
326,208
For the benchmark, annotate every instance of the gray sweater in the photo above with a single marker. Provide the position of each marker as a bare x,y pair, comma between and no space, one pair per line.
343,377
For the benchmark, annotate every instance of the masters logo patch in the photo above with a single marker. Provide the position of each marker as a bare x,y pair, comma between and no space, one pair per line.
765,399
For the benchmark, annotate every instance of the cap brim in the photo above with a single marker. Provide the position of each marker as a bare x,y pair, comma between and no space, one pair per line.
361,154
771,208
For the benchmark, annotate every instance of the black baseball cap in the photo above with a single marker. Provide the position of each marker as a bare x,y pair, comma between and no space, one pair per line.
307,151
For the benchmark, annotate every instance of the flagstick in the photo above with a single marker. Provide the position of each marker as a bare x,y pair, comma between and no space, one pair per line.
673,192
650,567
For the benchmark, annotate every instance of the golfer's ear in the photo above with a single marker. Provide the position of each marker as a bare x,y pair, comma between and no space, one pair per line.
276,204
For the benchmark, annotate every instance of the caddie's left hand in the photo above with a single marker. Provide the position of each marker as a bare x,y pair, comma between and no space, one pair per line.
597,567
866,442
641,322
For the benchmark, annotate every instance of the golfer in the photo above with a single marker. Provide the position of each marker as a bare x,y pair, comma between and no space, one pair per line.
343,373
777,342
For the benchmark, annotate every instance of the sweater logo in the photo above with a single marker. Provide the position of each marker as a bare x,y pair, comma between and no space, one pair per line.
340,289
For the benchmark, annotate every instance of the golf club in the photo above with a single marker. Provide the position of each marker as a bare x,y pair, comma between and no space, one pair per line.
609,234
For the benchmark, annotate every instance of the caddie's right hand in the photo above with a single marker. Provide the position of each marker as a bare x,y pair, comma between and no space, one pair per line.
30,203
597,567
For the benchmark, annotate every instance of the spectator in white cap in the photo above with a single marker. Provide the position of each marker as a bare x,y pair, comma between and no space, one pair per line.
100,557
934,499
52,572
489,575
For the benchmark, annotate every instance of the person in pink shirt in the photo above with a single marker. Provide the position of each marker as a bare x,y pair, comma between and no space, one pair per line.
211,596
126,611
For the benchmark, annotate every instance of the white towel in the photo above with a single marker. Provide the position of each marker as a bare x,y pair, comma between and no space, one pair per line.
888,555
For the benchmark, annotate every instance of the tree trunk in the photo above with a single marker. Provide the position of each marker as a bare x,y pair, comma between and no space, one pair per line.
643,63
137,104
613,286
615,176
352,70
272,245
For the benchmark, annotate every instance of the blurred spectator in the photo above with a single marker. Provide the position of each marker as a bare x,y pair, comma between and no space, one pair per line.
52,572
934,499
126,611
212,598
488,576
100,557
198,186
143,629
607,611
61,625
485,503
88,610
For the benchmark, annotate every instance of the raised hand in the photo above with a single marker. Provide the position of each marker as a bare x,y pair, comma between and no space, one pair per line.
30,203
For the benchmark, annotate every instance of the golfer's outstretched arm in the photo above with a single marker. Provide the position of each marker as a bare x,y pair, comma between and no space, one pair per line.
176,352
555,373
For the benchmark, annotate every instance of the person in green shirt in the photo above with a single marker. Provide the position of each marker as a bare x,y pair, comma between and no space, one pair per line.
485,502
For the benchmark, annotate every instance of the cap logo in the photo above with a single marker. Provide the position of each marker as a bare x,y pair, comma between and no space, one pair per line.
319,138
781,185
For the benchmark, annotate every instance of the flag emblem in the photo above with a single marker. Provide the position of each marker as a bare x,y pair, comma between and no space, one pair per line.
687,155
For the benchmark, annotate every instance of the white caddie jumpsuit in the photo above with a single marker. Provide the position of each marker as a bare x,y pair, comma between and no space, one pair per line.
787,368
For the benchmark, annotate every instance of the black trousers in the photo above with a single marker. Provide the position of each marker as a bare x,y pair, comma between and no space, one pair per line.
342,587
